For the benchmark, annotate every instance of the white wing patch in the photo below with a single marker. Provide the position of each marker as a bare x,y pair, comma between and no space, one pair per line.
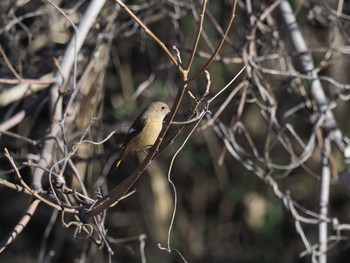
132,130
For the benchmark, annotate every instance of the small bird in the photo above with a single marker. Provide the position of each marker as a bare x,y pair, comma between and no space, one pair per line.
145,129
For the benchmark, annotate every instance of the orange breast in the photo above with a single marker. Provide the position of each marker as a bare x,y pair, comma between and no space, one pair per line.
149,133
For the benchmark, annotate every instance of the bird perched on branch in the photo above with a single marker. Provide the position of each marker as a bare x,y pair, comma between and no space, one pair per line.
145,129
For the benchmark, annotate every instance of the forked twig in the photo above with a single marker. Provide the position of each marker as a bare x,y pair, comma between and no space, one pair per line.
36,194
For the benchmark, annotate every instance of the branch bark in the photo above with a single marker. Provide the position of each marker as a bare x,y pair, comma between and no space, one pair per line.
56,99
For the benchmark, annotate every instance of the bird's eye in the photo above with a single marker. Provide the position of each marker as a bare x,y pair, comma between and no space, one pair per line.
163,108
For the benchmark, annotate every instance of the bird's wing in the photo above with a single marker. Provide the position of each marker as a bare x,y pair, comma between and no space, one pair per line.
135,129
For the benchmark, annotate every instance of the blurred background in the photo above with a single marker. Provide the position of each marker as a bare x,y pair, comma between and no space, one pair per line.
231,205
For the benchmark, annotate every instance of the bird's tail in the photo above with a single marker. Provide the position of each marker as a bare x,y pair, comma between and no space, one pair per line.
124,152
117,163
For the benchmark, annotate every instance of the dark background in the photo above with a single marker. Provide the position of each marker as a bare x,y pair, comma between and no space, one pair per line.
225,213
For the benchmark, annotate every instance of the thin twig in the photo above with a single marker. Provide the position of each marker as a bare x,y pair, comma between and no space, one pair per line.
35,194
218,48
153,36
20,225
